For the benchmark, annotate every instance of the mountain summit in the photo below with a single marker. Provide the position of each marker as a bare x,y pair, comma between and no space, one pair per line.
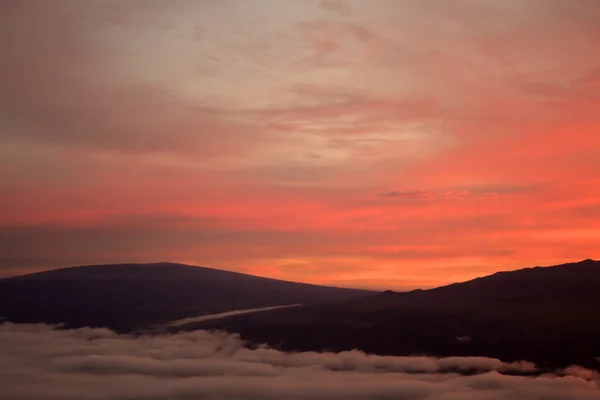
126,296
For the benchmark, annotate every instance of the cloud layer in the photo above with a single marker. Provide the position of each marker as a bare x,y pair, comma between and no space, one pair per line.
341,142
37,362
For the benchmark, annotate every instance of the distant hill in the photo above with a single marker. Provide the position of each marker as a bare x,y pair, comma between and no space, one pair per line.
129,296
547,315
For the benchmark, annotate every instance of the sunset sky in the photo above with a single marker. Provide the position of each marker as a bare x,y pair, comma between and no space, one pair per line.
381,143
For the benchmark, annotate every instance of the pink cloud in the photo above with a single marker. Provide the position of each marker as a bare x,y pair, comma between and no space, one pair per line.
246,136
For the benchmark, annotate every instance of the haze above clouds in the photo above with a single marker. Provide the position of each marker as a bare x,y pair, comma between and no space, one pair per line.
39,363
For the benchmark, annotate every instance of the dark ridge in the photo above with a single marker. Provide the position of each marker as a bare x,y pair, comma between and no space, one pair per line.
130,296
548,315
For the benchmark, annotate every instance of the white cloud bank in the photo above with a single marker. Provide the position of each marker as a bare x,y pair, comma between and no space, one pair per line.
37,362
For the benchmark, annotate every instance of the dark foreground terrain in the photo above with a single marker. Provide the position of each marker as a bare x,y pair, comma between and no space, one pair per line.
550,316
132,296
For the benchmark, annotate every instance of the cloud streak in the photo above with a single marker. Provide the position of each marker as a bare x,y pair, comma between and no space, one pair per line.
41,363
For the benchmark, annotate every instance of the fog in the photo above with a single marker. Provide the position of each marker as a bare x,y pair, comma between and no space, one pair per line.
39,362
185,321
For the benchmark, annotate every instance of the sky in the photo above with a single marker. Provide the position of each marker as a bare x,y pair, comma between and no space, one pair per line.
377,144
41,363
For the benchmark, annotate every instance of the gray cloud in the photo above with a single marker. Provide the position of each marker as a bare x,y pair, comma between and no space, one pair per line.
341,8
38,362
408,194
67,86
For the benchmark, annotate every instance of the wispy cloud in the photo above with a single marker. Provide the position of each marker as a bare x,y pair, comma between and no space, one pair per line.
248,133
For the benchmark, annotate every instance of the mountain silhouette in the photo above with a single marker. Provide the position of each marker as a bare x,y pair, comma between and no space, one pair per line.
549,315
129,296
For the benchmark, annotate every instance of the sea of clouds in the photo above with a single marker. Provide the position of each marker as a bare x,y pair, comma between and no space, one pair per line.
40,362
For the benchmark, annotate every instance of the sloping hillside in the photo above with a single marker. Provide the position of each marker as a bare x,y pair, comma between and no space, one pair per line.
127,296
550,315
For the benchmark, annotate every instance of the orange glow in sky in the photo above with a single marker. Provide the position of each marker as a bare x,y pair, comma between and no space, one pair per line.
380,144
